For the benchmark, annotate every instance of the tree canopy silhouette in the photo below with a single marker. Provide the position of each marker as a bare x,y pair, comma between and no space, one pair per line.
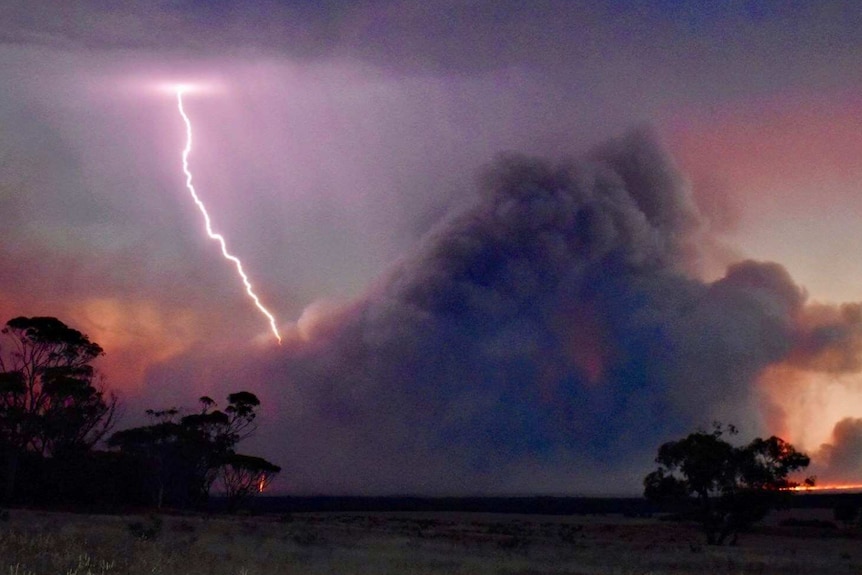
243,476
50,403
186,453
732,486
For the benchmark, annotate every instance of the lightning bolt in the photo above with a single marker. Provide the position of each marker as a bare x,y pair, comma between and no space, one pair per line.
213,235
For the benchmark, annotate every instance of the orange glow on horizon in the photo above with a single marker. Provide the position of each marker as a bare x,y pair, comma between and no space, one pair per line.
802,406
834,487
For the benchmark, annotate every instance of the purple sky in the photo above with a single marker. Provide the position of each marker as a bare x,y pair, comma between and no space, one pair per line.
438,338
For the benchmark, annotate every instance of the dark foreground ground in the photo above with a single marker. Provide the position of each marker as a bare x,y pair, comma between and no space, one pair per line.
526,505
415,542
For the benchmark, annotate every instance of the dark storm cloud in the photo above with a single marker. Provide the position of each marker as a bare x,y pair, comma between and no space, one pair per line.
451,34
554,326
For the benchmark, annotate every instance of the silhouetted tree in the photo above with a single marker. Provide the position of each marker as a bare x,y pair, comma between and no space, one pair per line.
244,476
49,404
185,452
159,448
732,487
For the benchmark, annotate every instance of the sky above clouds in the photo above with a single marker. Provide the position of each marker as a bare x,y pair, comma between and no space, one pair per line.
496,235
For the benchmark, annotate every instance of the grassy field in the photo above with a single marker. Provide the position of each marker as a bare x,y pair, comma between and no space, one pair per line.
33,542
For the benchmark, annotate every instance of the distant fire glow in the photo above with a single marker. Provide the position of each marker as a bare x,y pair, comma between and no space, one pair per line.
836,487
218,237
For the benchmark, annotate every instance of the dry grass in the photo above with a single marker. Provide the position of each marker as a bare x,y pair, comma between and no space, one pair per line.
37,543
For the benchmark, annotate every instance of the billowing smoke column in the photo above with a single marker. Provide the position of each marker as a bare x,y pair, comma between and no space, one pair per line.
841,460
545,340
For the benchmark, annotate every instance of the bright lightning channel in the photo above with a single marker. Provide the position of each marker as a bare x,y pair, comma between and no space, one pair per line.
213,235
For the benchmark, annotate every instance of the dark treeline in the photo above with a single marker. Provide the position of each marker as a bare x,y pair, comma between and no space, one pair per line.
59,446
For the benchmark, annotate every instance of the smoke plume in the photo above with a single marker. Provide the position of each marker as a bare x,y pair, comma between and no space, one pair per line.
841,460
547,338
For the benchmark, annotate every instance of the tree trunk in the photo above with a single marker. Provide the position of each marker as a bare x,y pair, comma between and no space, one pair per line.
160,494
11,476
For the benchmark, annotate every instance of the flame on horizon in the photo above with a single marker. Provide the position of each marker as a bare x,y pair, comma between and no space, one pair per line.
828,487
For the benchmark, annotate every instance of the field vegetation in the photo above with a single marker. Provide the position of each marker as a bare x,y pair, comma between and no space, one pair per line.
37,543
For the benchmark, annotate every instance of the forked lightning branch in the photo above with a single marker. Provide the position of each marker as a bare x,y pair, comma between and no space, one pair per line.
208,223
